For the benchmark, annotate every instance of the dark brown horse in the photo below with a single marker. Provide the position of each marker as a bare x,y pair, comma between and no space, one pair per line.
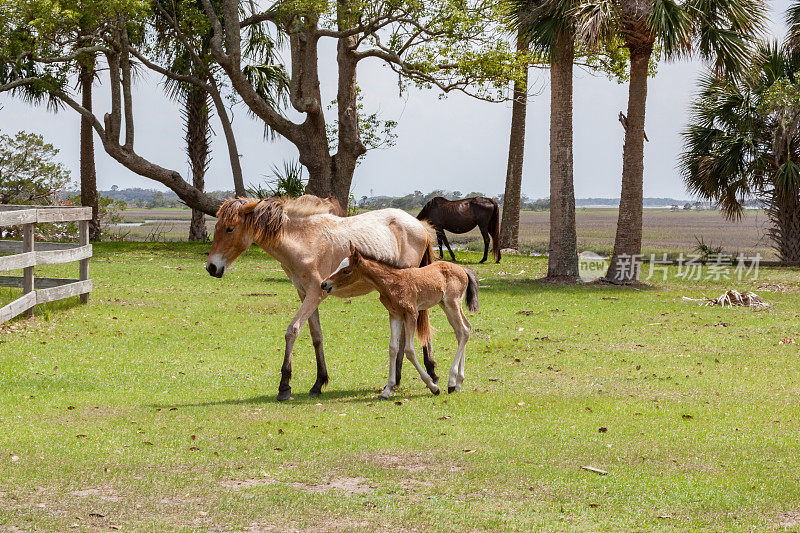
460,216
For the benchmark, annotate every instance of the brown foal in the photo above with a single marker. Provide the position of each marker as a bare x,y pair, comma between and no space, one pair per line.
405,292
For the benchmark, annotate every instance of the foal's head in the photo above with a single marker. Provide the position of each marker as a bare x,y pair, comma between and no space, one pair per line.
231,237
349,272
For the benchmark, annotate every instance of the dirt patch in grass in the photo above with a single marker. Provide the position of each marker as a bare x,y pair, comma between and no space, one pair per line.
346,484
242,484
411,462
788,519
104,493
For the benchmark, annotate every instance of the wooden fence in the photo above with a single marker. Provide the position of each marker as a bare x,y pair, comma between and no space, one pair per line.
27,255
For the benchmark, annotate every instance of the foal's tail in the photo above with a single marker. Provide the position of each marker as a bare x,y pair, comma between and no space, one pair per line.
494,230
472,291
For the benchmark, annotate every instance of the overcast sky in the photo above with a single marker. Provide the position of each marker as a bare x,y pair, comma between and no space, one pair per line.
455,143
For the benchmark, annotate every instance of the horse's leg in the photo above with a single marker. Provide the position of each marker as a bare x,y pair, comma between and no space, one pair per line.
427,360
462,347
399,360
319,352
452,309
485,235
447,243
440,238
396,327
309,305
410,326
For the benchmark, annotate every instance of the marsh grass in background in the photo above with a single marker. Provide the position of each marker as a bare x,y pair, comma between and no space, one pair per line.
665,231
153,407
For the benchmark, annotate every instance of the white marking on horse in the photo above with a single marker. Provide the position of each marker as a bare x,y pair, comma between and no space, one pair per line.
344,264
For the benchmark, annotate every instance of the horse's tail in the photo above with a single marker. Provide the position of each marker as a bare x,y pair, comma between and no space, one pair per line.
423,327
429,254
472,291
494,230
428,257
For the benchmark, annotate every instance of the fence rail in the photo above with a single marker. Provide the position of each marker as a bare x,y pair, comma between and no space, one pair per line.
28,254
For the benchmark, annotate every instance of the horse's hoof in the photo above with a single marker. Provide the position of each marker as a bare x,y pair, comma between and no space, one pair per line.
451,390
314,393
436,392
382,397
284,395
482,261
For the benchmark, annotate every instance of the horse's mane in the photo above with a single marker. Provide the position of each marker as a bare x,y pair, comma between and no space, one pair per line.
265,218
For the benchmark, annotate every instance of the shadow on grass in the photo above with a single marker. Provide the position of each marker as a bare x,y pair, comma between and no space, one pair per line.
364,395
541,285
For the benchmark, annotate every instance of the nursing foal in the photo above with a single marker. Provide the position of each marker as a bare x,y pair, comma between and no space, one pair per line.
405,292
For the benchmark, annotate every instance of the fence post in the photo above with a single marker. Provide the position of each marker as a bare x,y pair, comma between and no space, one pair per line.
27,273
83,240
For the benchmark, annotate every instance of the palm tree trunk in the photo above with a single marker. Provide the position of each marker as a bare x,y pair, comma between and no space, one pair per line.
563,257
509,229
624,266
197,146
785,233
87,165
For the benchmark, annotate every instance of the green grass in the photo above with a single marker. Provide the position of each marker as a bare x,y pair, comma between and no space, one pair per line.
153,407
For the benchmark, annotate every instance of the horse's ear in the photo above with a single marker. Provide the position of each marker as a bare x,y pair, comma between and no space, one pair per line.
356,256
248,207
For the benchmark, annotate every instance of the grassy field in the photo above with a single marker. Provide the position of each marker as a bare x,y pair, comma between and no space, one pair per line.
665,231
153,408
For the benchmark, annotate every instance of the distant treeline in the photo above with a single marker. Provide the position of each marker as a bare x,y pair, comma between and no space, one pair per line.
151,198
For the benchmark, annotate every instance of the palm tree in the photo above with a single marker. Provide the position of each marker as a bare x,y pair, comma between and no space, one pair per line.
793,21
717,30
549,27
509,227
744,141
267,77
89,197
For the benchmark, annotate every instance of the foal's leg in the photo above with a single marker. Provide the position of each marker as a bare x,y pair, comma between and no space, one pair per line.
410,326
396,327
485,235
452,310
319,352
462,347
309,305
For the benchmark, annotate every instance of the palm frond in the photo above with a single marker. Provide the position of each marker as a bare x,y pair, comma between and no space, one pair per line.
597,22
793,21
673,26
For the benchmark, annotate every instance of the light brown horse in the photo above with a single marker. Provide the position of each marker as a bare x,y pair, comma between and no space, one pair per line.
404,293
309,239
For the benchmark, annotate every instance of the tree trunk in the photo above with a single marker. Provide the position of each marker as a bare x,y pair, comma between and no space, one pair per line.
509,229
88,170
624,265
197,147
785,233
349,147
563,257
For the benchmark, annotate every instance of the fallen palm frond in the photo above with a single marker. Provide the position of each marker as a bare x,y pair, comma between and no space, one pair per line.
732,298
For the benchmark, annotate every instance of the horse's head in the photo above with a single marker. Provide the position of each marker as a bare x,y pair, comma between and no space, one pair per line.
346,275
231,236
